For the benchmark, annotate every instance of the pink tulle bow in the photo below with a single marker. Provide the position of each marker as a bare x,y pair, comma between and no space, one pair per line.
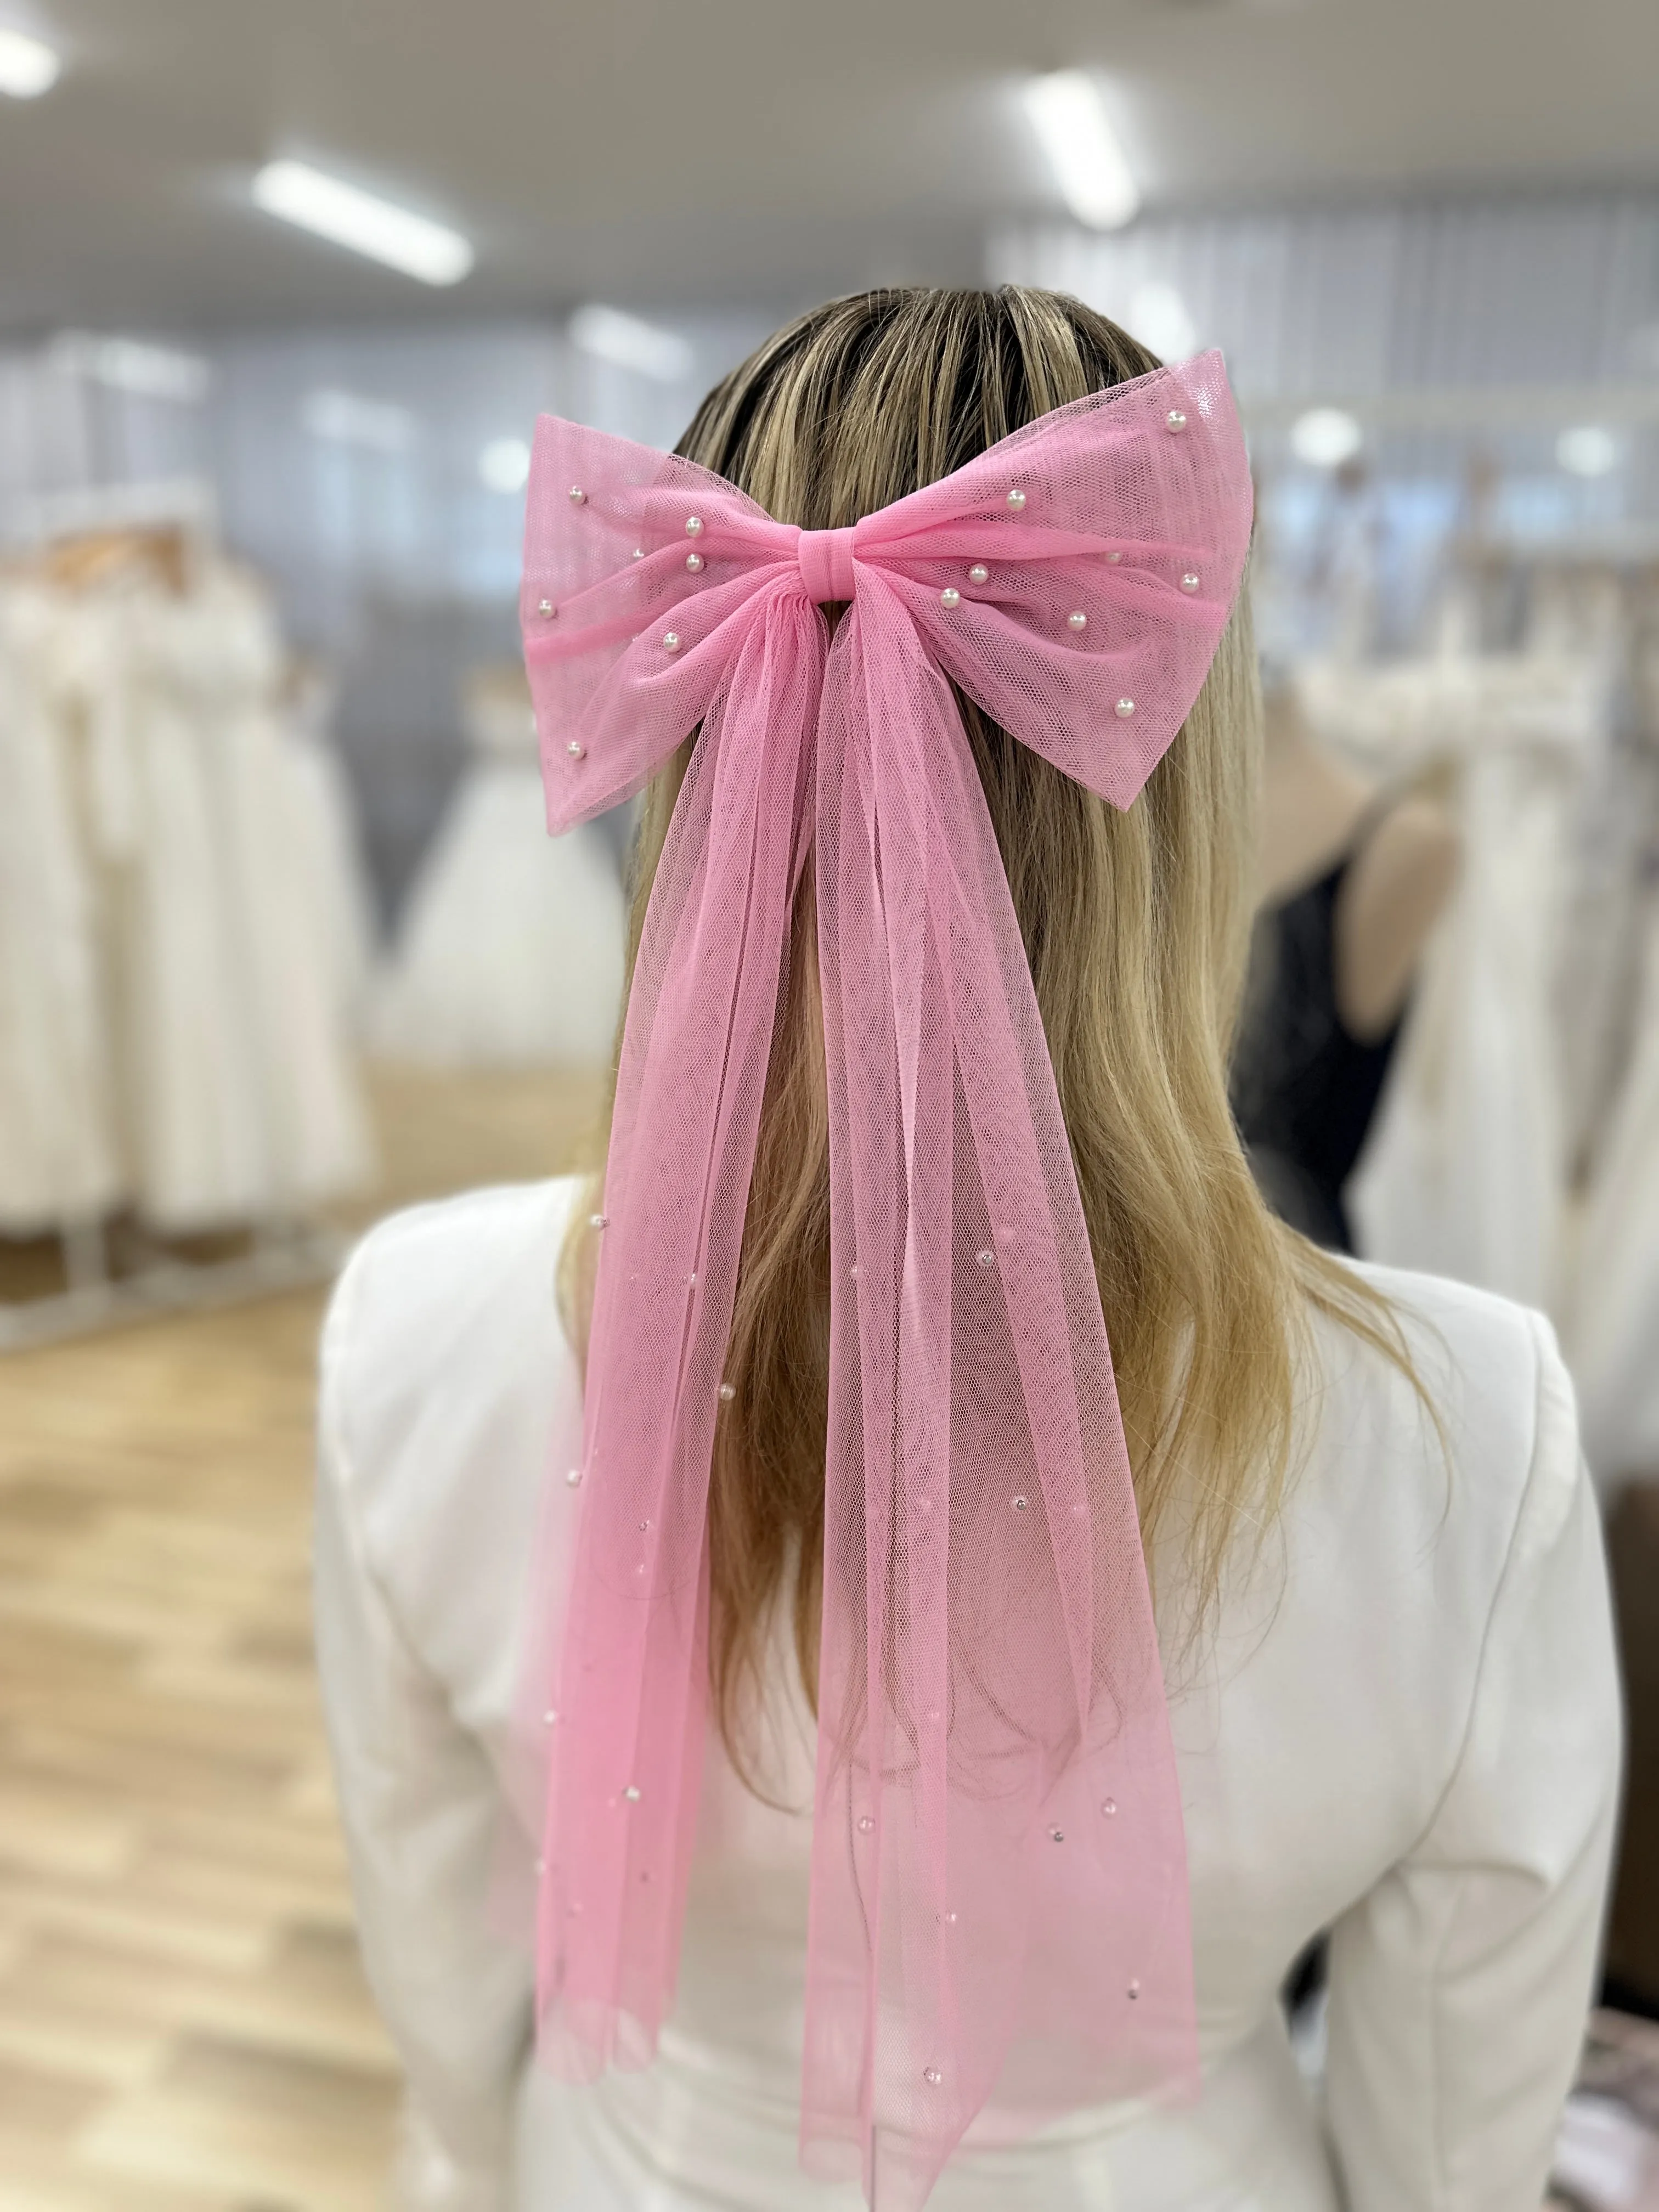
999,1921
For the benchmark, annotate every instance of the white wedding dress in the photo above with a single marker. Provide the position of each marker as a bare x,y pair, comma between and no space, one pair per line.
511,949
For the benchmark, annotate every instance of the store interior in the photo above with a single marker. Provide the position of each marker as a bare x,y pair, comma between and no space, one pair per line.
284,944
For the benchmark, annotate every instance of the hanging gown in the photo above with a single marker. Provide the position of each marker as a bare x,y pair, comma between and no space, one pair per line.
1465,1175
511,949
59,1160
1305,1087
1612,1336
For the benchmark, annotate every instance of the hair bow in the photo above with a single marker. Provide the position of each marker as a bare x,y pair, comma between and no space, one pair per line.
998,1909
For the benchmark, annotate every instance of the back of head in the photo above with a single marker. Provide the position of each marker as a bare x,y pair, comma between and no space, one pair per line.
1136,926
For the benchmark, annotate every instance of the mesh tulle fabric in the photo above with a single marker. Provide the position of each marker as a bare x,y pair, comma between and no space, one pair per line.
999,1911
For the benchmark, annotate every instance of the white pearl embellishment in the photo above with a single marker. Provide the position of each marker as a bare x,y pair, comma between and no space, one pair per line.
1021,1503
1134,1989
546,610
932,2076
639,552
549,1717
1056,1835
1125,708
1110,1807
632,1793
979,574
1016,499
670,642
694,563
578,496
575,751
573,1477
950,597
1078,621
985,1259
728,1392
694,526
1176,420
1114,558
865,1824
598,1220
1190,581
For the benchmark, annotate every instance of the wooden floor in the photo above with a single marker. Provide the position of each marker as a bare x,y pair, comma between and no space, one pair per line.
182,2025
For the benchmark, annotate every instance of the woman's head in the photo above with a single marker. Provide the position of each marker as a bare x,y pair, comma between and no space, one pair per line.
1136,926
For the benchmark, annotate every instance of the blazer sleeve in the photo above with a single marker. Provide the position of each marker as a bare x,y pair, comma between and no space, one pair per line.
421,1811
1460,1985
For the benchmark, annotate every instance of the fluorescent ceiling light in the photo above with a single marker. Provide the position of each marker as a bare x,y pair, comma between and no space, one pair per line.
1076,133
348,419
28,66
626,343
1588,450
148,372
1325,437
1158,317
504,465
366,224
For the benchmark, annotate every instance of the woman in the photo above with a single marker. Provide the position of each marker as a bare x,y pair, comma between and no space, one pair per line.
958,1964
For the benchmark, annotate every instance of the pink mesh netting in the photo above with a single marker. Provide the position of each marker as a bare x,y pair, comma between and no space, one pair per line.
999,1909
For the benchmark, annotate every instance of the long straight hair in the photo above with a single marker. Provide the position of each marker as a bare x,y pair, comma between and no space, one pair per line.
1137,928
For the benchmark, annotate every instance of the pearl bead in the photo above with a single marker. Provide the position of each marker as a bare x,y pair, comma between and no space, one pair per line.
1017,499
1021,1502
1125,708
1134,1989
694,526
573,1477
1056,1835
728,1392
979,574
932,2076
639,552
865,1824
598,1220
575,751
692,1279
578,496
948,1919
549,1717
1114,558
985,1259
1190,581
670,642
1110,1807
950,597
1078,620
546,610
694,563
632,1793
1176,420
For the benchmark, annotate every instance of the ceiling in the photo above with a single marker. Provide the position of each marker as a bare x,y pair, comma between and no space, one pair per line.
667,151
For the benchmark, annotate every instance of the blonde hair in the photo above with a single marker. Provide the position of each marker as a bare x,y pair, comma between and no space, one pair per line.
1137,927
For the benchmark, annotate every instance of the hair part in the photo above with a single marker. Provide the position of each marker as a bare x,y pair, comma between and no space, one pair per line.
1136,924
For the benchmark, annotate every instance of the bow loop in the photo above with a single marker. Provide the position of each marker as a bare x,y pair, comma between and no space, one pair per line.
999,1904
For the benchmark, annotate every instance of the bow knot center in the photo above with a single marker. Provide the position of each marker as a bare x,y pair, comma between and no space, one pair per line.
826,564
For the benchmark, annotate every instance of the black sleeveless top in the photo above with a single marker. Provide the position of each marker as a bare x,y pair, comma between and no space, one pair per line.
1304,1089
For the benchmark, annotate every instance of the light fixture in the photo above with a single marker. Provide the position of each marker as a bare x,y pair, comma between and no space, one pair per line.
1158,317
504,465
1588,450
626,343
1076,133
347,418
362,222
148,372
1325,437
28,66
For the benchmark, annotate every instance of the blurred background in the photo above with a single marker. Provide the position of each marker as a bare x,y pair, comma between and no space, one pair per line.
283,943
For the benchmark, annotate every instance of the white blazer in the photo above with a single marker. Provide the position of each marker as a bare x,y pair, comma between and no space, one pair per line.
1403,1726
